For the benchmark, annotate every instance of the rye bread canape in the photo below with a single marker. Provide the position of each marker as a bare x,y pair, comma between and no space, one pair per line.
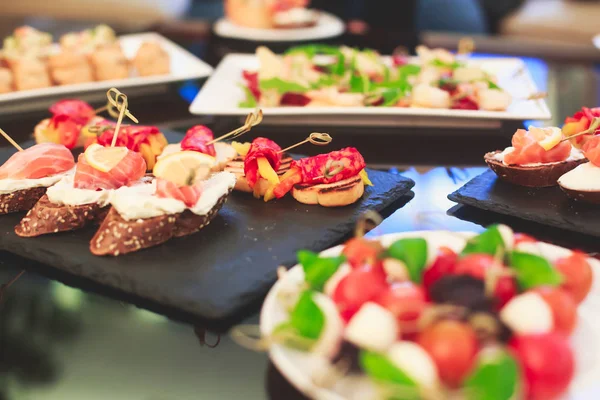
537,158
166,210
334,179
27,174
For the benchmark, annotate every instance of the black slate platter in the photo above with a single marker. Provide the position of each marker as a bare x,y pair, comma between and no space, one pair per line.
546,206
220,270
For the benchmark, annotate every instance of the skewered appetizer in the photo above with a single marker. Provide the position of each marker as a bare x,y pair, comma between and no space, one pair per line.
177,203
26,175
151,59
89,40
197,139
83,198
347,77
583,182
432,315
537,158
67,68
334,179
269,14
27,42
259,166
588,119
109,63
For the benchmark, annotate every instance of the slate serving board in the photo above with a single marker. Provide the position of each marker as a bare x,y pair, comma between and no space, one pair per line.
220,270
547,206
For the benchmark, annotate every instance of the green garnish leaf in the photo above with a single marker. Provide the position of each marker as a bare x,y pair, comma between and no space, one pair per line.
306,317
381,369
282,86
318,270
488,242
409,69
413,253
495,377
313,50
286,334
392,97
439,63
250,101
492,85
360,83
533,270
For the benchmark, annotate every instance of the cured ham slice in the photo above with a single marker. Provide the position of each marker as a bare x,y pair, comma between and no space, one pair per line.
196,139
527,149
261,147
38,161
189,194
129,170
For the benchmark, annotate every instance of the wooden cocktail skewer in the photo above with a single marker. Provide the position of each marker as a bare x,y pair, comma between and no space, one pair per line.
590,131
316,138
122,107
111,105
252,120
11,140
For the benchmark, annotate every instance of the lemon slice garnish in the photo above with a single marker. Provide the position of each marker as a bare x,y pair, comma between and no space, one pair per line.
104,158
177,167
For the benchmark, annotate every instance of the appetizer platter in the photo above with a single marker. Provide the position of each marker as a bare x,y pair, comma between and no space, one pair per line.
436,315
548,176
276,21
32,65
110,218
326,82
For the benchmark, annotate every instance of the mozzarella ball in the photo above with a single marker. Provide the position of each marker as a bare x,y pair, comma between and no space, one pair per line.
527,313
372,327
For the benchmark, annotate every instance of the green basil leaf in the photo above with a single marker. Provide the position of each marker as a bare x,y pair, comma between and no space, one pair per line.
392,97
250,101
380,368
439,63
306,317
286,334
318,270
409,69
496,377
413,253
533,270
282,86
488,242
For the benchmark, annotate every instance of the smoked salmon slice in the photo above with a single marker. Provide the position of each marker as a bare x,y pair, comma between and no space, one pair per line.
591,150
187,194
39,161
129,170
528,150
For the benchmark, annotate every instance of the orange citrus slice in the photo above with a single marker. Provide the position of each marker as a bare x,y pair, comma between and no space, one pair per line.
104,158
178,167
241,148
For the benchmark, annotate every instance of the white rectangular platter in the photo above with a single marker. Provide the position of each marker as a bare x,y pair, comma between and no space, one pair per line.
222,93
184,66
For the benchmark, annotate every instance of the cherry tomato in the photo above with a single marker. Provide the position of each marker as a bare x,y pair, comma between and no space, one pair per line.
506,289
443,265
453,347
406,301
577,275
359,286
547,364
563,306
360,252
475,265
523,238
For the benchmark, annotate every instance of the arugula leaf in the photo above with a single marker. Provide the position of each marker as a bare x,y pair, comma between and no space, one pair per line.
488,242
306,317
439,63
250,101
413,253
392,97
318,270
495,377
380,368
282,86
533,270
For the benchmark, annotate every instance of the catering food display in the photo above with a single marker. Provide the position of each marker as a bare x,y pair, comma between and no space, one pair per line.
430,315
270,14
30,60
537,158
326,76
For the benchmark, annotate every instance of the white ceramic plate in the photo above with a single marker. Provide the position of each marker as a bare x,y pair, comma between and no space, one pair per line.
327,26
222,93
184,65
297,366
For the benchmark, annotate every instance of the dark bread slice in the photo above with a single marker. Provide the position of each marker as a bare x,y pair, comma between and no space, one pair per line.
119,236
46,217
544,175
20,200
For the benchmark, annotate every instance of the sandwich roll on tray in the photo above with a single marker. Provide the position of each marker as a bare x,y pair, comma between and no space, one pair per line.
177,203
537,158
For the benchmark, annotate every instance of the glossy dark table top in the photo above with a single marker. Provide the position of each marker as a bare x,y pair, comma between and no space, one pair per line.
57,342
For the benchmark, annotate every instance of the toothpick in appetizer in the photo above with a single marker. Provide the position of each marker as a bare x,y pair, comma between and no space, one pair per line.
27,174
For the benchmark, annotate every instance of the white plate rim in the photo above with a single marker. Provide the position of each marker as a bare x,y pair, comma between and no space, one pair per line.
279,354
327,26
222,80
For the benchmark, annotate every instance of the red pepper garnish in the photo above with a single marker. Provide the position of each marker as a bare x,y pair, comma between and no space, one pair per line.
196,139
